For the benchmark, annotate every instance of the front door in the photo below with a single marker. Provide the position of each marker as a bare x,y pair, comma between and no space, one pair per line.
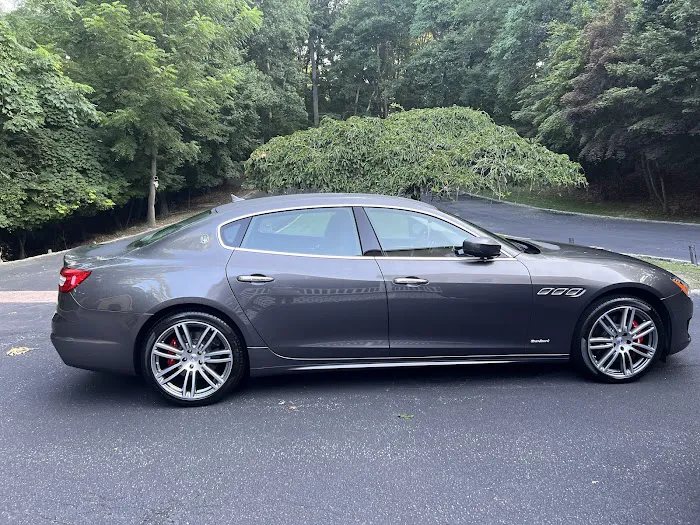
302,282
444,305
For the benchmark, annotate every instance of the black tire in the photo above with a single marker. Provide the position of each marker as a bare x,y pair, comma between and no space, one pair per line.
238,368
579,348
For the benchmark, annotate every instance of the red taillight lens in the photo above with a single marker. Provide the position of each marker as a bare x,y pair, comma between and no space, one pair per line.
71,278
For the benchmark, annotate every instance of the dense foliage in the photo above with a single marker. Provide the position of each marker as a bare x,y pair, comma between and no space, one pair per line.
129,105
408,152
51,163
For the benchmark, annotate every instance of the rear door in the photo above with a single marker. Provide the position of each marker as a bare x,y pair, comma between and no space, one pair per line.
302,281
444,305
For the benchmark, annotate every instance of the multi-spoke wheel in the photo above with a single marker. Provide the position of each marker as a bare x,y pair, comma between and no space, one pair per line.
193,358
618,339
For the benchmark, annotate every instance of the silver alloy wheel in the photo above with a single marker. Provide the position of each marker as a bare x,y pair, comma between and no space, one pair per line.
191,360
622,342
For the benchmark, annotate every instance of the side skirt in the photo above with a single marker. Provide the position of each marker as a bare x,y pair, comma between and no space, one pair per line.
265,362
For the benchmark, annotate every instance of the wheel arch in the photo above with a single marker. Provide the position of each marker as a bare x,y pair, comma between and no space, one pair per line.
176,308
642,292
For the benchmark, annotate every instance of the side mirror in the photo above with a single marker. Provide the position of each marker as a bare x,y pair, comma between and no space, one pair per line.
481,247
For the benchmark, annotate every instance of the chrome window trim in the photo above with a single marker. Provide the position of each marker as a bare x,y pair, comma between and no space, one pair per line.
271,252
448,219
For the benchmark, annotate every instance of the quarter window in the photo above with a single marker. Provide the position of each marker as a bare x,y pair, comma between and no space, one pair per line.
410,234
232,232
316,231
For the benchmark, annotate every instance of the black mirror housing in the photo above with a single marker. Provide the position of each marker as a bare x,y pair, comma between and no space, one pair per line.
481,247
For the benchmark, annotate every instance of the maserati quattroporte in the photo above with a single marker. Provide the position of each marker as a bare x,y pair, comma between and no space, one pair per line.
334,281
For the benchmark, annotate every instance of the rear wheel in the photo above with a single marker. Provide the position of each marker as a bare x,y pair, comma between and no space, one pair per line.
618,339
193,358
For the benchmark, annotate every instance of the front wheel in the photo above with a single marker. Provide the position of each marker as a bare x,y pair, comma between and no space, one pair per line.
193,358
618,339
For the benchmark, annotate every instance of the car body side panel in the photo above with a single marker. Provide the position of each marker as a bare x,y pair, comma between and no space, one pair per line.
316,307
468,307
680,311
596,272
95,339
187,270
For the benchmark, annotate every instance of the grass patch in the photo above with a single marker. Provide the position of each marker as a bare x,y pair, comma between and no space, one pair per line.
690,273
581,202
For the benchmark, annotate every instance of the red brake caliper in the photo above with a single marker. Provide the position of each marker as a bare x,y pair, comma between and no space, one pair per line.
173,343
635,324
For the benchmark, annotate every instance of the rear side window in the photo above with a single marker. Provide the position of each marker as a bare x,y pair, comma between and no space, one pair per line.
316,231
159,234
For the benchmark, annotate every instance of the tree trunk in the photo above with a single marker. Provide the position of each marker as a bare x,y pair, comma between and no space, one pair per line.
649,174
379,75
151,211
117,221
357,99
163,210
22,238
387,72
664,199
314,77
371,98
131,209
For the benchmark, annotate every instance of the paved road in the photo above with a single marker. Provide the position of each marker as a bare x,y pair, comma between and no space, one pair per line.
500,444
659,239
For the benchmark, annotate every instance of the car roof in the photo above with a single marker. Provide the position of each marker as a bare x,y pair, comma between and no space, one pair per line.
277,202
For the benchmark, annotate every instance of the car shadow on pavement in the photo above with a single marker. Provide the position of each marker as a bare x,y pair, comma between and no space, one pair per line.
378,379
101,388
96,388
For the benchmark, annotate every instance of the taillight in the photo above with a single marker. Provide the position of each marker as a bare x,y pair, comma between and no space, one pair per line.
71,278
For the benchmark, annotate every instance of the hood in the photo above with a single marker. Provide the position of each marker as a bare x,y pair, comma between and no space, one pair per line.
561,263
573,251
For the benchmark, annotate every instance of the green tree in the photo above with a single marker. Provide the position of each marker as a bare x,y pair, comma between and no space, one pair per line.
450,60
51,163
656,96
276,50
164,85
406,152
371,39
516,50
323,14
541,108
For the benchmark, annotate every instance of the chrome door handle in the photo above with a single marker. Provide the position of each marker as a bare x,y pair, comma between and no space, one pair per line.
255,278
410,280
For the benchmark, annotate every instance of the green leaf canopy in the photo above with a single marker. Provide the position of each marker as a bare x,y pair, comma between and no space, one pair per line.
407,152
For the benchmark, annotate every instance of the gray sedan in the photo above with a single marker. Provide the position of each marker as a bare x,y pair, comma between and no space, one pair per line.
337,281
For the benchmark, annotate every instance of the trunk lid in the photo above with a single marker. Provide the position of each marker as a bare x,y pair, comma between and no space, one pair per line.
90,256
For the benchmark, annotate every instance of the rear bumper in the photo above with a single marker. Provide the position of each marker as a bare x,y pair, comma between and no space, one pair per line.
95,339
680,311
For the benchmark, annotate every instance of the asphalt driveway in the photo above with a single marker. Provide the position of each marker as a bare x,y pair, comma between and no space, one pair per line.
499,444
620,235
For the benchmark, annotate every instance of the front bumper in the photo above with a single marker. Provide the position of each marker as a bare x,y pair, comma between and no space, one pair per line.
680,312
95,339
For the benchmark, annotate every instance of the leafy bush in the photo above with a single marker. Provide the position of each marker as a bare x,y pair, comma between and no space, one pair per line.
407,152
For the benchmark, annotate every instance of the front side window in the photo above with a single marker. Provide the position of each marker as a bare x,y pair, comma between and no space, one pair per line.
316,231
409,234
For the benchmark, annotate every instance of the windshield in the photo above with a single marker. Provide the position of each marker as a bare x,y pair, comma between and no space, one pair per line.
485,232
172,228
